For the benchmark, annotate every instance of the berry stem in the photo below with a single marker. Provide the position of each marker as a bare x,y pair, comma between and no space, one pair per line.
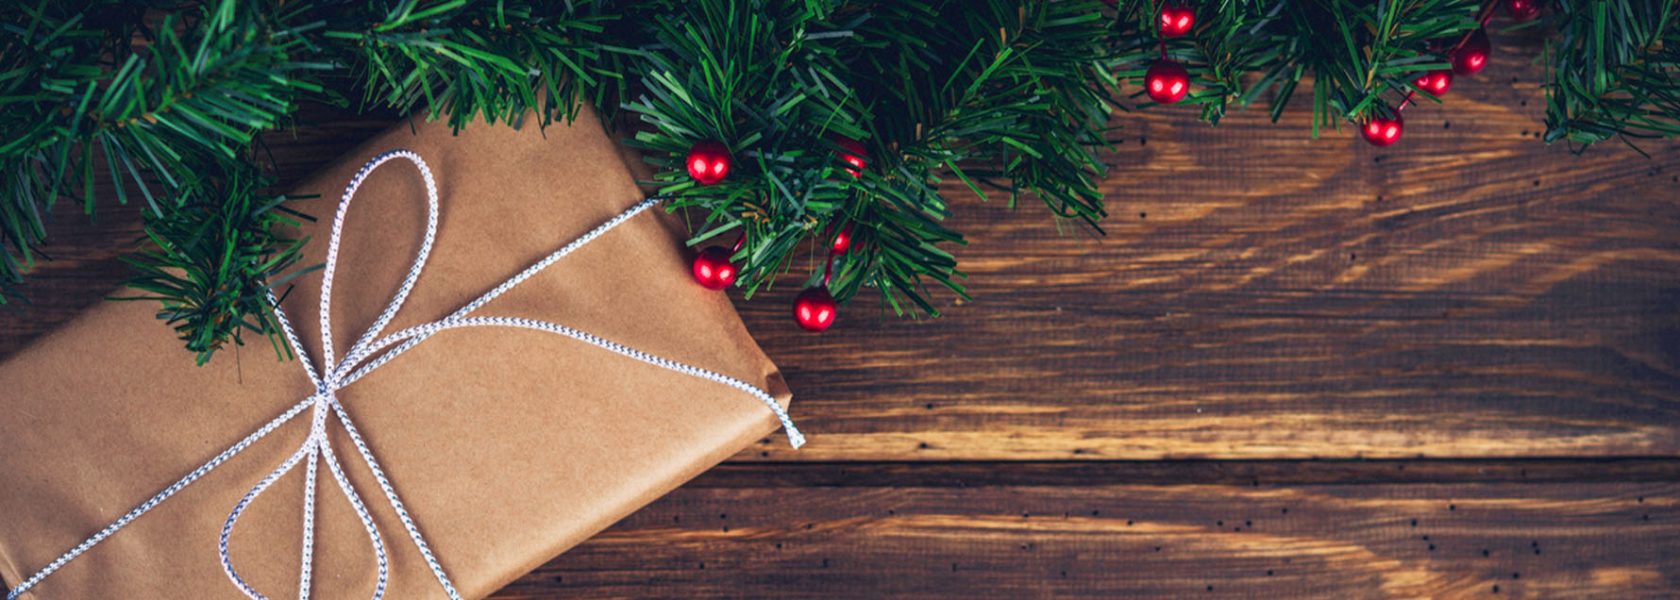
1160,31
1487,11
1485,16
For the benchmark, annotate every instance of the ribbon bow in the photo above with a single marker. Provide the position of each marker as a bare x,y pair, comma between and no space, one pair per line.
368,353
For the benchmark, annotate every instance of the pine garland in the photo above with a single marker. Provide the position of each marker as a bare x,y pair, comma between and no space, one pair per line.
167,100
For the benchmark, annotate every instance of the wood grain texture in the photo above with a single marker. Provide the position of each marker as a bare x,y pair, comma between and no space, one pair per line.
1251,473
1182,541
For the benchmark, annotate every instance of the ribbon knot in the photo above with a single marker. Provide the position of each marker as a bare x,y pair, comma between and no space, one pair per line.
369,352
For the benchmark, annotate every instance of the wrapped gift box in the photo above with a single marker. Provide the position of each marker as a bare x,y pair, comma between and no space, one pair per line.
507,446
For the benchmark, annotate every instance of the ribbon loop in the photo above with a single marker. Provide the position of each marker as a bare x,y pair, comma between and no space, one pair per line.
369,352
414,270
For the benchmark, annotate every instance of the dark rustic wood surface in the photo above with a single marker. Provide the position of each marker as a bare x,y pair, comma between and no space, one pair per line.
1106,540
1454,362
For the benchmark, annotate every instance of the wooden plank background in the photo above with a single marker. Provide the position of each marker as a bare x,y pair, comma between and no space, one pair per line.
903,538
1455,363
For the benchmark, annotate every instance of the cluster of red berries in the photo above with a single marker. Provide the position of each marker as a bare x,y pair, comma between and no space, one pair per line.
1468,57
814,309
1167,81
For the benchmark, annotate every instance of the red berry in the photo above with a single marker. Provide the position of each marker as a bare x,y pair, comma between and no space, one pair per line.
708,162
1435,83
1381,131
842,241
814,309
1523,10
1472,57
852,153
712,268
1166,82
1177,20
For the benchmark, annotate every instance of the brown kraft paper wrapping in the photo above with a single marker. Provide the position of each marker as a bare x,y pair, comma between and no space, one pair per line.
507,446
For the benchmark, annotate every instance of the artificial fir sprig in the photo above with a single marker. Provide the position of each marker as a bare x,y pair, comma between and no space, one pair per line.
767,82
994,94
1614,71
95,92
214,258
463,60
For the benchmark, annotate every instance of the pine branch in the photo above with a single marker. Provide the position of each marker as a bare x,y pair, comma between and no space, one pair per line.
766,80
462,60
214,256
150,114
1614,71
986,92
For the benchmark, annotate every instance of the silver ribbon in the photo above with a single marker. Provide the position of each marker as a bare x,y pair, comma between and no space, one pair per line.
368,353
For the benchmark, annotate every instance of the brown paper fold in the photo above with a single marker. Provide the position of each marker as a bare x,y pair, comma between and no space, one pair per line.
507,446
